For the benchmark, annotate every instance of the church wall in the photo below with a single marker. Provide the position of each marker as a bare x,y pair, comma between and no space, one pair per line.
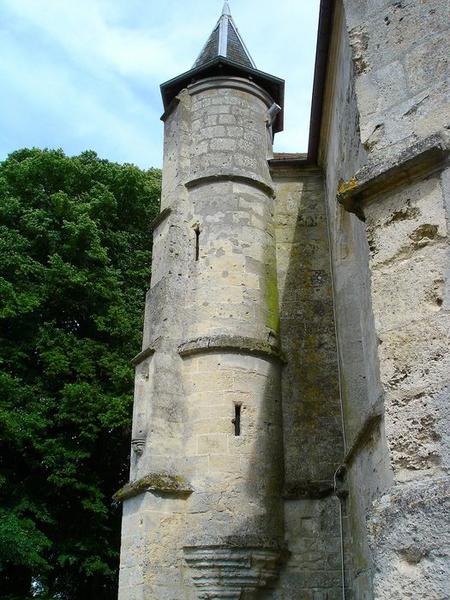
312,425
400,53
384,148
367,476
409,261
344,430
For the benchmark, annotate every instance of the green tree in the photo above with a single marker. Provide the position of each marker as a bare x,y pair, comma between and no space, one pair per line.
74,267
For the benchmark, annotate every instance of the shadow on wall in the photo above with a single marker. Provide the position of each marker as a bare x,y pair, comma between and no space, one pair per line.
297,463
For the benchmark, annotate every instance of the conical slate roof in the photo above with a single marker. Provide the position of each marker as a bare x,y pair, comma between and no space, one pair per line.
225,41
225,55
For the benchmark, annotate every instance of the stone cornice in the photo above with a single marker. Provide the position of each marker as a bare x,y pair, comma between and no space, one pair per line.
236,83
142,356
158,483
230,343
292,170
160,218
420,160
172,106
233,177
365,433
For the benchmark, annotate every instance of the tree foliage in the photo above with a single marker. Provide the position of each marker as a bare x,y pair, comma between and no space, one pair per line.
74,266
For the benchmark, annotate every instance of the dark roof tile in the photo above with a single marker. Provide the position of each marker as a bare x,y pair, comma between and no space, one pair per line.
225,41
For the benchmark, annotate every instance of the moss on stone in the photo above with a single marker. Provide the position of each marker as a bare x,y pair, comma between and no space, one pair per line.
230,343
346,186
273,315
160,483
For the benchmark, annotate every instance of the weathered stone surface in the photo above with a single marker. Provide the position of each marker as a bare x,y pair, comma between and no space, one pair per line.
208,399
295,366
410,537
310,378
236,343
312,536
342,155
400,53
390,279
415,162
159,483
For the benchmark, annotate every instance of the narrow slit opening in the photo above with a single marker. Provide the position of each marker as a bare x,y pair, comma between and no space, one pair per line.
237,420
197,242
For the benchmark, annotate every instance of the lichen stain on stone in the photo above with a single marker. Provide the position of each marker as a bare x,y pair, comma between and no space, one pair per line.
346,186
271,296
436,293
404,214
359,42
157,482
412,554
374,137
424,233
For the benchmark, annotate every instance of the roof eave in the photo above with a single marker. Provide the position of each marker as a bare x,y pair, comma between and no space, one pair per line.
320,73
273,85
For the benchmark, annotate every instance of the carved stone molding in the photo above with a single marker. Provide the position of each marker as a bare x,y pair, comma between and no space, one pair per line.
237,83
233,177
230,572
231,343
420,160
160,218
142,356
160,484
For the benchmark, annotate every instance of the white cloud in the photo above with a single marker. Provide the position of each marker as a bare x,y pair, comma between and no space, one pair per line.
85,74
84,33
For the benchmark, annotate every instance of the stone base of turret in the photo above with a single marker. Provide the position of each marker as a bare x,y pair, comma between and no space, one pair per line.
231,572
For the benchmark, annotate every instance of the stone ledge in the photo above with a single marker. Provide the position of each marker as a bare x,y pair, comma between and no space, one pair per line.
160,218
292,170
229,82
369,426
233,177
142,356
308,490
416,161
159,483
228,343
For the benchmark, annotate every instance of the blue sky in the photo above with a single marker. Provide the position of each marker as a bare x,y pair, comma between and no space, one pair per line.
85,74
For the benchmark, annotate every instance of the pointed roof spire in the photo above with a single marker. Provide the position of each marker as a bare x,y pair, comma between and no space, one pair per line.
226,9
225,55
225,41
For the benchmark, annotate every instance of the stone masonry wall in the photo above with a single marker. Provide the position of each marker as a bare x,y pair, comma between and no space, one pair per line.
312,425
203,514
410,259
384,147
400,53
311,403
368,472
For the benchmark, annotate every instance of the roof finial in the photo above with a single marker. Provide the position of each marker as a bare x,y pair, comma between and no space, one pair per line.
226,9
